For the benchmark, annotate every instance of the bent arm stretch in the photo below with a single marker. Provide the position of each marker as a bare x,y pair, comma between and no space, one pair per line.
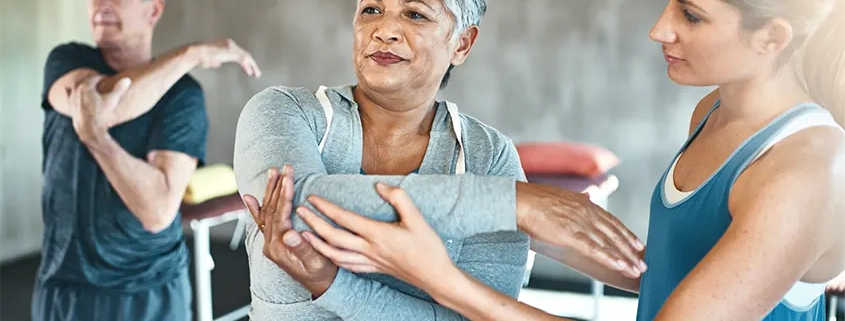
66,67
274,130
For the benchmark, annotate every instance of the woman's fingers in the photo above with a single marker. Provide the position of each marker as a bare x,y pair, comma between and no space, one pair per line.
604,255
272,179
269,212
609,236
399,199
334,236
336,255
357,268
285,201
252,205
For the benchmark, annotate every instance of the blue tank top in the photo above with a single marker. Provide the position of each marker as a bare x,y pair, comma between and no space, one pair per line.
680,234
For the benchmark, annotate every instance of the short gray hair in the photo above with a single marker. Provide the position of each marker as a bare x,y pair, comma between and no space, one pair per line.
467,13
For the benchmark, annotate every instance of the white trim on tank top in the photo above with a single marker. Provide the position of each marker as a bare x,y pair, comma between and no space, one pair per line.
802,294
451,108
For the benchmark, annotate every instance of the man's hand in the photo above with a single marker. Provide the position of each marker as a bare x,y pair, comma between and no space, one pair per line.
92,109
283,245
214,54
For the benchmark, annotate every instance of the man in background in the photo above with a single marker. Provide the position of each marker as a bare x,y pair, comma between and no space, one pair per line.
123,134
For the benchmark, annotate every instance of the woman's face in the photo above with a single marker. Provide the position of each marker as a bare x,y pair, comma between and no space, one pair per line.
402,44
705,45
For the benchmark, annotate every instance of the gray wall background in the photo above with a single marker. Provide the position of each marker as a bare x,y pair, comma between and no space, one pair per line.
541,70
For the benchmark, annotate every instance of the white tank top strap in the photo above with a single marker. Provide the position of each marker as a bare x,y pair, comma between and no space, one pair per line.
810,118
328,110
454,115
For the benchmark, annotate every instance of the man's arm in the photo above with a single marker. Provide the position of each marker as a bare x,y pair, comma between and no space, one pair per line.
782,222
153,189
273,130
66,67
149,82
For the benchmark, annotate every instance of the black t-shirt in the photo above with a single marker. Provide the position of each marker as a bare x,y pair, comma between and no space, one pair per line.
91,238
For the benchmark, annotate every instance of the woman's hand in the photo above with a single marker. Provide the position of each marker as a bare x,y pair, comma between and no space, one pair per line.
837,285
572,221
409,249
283,245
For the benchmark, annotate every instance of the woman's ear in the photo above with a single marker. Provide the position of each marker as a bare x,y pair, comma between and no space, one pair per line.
773,37
465,42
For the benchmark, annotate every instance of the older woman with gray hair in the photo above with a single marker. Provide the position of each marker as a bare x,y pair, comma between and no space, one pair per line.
465,176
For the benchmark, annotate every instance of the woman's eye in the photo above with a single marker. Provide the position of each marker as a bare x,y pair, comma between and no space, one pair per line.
690,17
369,10
415,15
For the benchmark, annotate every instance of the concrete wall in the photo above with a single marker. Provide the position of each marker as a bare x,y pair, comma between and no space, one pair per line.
28,30
542,70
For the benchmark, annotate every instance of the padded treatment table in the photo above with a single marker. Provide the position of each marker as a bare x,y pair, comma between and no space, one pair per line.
600,189
201,218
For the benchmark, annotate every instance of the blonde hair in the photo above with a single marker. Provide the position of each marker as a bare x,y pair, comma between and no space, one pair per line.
818,54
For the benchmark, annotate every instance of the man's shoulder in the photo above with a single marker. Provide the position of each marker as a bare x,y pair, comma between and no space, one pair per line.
186,88
74,47
188,84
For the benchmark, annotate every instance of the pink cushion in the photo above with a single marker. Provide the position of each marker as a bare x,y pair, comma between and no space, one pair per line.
566,158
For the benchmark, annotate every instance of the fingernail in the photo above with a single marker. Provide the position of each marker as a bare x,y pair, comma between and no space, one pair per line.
639,245
306,237
285,181
621,264
301,211
310,198
643,267
381,185
292,239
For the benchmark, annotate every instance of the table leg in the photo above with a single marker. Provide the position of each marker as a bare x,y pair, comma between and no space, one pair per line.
203,264
598,287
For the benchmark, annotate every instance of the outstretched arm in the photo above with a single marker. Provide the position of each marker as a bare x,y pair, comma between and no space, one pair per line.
275,130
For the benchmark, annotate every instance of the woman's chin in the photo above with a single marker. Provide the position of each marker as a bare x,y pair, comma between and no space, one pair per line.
684,78
386,82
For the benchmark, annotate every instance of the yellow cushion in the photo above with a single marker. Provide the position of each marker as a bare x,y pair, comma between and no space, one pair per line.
210,182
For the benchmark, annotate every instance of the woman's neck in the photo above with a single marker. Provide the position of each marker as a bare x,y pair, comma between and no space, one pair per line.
759,100
393,116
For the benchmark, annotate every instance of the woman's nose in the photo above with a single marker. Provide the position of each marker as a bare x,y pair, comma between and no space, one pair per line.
388,30
662,30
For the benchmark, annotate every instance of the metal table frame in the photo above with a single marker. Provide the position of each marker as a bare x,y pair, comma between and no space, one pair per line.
204,263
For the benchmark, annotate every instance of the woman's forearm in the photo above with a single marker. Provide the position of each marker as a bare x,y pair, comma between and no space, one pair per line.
455,206
471,298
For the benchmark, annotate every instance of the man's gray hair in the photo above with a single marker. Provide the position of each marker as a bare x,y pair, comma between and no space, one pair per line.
467,13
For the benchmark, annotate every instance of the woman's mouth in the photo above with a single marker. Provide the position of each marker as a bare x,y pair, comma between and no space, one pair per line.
672,59
384,58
